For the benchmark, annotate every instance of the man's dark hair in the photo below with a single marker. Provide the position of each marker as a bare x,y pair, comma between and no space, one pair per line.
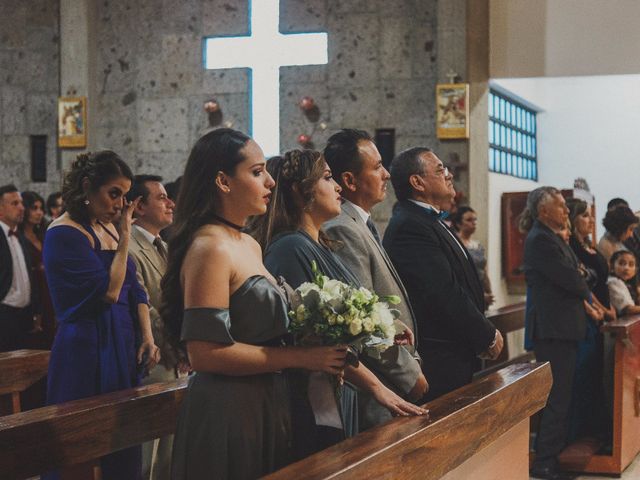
10,188
341,152
405,164
617,221
139,187
617,202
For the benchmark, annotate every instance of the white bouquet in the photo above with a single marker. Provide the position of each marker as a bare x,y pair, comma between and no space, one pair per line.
330,312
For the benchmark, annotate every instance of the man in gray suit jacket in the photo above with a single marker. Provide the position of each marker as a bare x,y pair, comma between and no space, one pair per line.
149,252
357,166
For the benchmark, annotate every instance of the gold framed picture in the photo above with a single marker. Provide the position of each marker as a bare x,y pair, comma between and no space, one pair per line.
452,110
72,122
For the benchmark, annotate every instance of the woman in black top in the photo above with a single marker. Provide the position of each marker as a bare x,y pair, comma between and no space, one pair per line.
588,416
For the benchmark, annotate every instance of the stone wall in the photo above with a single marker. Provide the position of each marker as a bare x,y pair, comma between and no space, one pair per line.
29,82
152,83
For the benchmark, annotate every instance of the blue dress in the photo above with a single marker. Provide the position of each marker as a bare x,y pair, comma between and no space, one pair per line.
94,351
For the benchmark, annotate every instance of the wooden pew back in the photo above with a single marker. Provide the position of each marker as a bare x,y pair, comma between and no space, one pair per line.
460,424
507,319
18,371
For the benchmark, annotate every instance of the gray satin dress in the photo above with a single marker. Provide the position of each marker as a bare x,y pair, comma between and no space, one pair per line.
235,427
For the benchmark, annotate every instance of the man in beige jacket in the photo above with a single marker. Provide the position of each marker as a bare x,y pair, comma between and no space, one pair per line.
149,252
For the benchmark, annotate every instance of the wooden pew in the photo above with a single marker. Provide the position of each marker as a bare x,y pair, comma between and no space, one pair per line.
626,406
480,431
507,319
18,371
40,440
471,433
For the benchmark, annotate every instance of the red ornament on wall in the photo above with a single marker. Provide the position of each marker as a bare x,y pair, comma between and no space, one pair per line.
304,139
307,103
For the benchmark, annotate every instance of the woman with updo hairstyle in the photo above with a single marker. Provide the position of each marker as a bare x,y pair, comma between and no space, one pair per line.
305,197
619,223
220,302
104,341
33,227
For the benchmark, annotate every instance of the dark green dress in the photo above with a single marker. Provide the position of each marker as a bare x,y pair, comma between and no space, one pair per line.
235,427
289,255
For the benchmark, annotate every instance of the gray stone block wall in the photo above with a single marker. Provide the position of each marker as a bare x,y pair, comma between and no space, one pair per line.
382,74
29,83
151,83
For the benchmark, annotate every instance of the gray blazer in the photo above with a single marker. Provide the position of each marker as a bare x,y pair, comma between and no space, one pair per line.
150,268
399,367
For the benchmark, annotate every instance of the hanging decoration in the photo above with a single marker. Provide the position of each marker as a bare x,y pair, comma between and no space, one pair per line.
311,117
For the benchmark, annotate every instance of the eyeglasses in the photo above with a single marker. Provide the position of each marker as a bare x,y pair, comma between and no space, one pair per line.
442,173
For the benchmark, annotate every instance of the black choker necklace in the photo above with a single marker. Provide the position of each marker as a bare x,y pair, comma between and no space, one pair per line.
228,223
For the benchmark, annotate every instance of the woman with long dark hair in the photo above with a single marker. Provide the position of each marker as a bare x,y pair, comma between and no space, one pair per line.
465,221
232,314
33,227
588,414
305,197
104,336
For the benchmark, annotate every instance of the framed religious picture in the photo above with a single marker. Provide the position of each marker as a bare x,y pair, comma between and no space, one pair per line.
452,110
72,122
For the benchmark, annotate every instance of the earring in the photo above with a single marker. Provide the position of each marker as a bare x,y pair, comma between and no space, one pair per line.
86,201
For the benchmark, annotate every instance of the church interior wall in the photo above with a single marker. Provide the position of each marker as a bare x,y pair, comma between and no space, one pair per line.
152,85
560,38
29,83
589,129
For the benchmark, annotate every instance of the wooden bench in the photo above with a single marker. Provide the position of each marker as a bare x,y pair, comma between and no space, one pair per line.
470,433
18,371
507,319
579,457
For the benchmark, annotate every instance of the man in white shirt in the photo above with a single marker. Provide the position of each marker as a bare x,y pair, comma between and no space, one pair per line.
154,213
16,306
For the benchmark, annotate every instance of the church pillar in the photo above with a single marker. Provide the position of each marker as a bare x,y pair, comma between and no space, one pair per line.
463,48
478,76
78,61
452,58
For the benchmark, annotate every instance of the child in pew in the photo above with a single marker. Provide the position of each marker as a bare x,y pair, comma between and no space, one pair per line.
623,284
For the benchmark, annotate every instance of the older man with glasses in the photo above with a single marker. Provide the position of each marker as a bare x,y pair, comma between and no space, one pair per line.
442,282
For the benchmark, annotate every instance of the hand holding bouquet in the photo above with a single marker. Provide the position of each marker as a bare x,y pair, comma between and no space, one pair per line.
330,312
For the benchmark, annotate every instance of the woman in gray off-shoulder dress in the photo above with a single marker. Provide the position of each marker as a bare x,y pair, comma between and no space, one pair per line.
231,314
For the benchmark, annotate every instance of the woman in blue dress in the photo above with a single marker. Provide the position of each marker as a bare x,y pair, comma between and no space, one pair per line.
104,332
232,314
305,197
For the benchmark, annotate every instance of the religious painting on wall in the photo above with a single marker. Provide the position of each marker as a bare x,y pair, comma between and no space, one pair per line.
452,110
72,122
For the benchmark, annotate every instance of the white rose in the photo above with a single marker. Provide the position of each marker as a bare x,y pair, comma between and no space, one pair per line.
355,327
367,295
368,325
307,287
383,313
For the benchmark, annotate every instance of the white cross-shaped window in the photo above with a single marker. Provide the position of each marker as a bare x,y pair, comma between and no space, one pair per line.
264,51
